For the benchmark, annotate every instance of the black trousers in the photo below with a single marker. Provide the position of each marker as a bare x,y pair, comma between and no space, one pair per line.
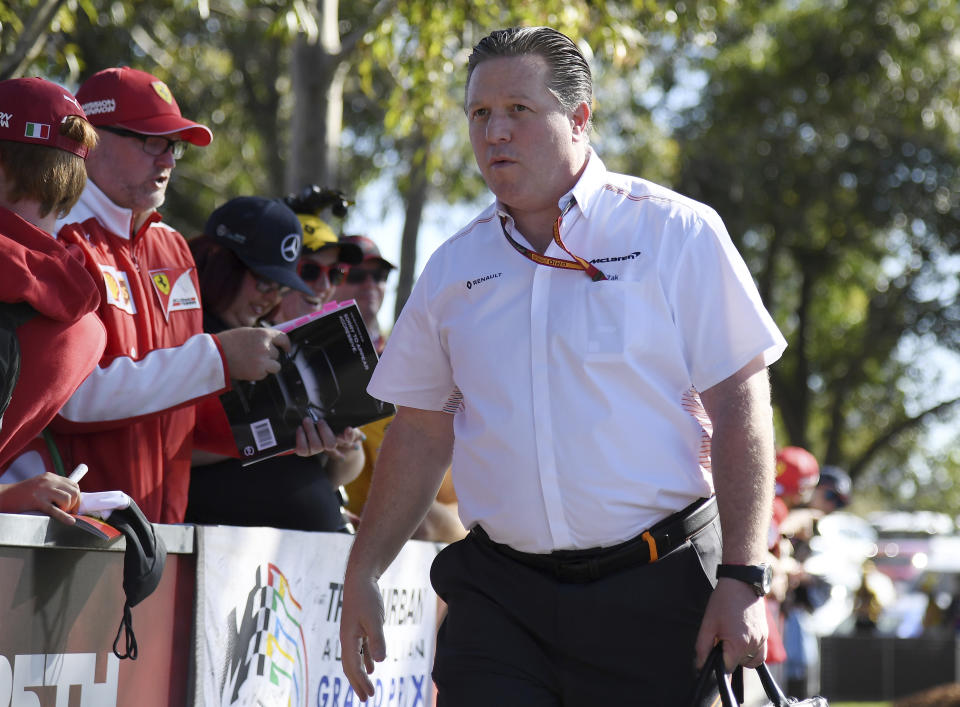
516,637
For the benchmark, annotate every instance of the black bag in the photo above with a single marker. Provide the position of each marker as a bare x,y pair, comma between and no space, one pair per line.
731,695
143,563
12,315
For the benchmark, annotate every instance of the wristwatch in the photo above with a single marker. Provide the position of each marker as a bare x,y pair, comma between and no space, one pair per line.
759,577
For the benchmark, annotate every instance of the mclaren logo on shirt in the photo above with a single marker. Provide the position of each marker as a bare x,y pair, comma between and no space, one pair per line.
617,258
473,283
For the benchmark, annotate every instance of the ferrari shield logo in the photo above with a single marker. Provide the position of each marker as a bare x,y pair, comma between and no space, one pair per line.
175,289
161,88
162,282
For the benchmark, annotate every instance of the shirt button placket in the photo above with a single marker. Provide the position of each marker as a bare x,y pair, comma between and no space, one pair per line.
542,409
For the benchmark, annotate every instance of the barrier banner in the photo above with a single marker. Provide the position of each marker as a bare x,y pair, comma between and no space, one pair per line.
268,621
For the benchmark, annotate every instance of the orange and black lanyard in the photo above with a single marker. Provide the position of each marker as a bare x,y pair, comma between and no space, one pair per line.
577,263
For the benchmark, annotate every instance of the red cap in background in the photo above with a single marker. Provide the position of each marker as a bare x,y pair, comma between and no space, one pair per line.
370,250
797,471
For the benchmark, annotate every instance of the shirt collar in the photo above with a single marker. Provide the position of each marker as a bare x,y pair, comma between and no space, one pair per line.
591,182
115,219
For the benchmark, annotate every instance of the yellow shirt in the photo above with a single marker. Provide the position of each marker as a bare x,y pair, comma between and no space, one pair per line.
358,489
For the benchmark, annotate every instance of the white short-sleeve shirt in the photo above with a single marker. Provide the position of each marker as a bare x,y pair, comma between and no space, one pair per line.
577,418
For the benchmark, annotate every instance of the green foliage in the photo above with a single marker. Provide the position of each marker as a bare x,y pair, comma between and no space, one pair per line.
827,139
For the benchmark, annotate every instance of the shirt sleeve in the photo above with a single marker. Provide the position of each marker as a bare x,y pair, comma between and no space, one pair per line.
722,320
415,369
163,380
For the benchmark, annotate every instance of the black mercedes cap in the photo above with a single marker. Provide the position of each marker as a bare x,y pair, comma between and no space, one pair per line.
265,234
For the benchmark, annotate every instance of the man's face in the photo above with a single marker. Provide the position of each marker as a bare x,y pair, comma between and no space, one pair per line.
529,150
367,284
129,176
826,499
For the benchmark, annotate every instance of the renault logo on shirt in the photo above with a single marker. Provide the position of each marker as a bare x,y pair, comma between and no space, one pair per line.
472,283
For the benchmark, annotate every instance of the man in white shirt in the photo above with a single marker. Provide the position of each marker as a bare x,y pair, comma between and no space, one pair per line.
591,353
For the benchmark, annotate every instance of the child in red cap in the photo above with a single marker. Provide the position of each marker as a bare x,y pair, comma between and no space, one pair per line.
47,298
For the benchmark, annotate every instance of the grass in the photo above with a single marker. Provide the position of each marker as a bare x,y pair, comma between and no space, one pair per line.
860,704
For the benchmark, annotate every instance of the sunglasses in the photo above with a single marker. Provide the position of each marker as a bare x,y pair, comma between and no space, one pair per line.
834,498
311,272
153,145
267,287
357,276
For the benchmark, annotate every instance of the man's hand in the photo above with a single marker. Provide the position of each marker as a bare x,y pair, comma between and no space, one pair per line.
736,616
742,462
48,493
416,451
252,353
361,633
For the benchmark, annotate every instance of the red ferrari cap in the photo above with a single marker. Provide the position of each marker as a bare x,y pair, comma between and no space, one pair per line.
31,111
137,101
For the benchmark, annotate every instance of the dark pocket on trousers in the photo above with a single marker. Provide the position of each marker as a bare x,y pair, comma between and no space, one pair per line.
440,567
708,544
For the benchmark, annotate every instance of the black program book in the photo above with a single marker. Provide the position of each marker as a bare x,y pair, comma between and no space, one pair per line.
325,375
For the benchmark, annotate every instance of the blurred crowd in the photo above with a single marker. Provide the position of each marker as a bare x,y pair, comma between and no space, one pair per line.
836,573
805,495
119,334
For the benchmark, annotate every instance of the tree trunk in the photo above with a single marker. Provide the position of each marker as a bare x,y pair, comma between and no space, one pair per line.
318,71
414,200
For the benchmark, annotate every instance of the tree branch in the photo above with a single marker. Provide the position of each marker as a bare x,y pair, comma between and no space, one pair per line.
350,42
893,431
30,41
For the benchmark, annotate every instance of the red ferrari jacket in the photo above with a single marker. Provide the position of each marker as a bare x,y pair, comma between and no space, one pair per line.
61,343
132,419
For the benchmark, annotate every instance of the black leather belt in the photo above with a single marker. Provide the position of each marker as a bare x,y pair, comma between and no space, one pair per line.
592,564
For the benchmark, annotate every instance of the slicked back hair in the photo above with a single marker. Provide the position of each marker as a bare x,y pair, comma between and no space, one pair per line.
570,79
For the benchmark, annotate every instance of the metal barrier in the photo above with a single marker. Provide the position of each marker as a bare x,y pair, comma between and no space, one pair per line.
241,616
873,668
61,601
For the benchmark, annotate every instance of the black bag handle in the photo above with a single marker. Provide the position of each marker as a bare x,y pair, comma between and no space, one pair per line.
728,696
770,686
714,666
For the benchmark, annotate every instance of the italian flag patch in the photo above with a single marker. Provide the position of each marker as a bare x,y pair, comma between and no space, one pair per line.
41,131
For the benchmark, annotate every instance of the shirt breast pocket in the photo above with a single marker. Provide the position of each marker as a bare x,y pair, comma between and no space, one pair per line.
610,322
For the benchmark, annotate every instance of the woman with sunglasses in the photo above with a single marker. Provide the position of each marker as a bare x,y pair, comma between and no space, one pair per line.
321,266
247,260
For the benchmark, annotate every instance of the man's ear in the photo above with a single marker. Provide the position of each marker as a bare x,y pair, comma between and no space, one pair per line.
579,120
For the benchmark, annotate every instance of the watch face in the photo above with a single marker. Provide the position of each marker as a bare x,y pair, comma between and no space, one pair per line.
767,581
760,577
